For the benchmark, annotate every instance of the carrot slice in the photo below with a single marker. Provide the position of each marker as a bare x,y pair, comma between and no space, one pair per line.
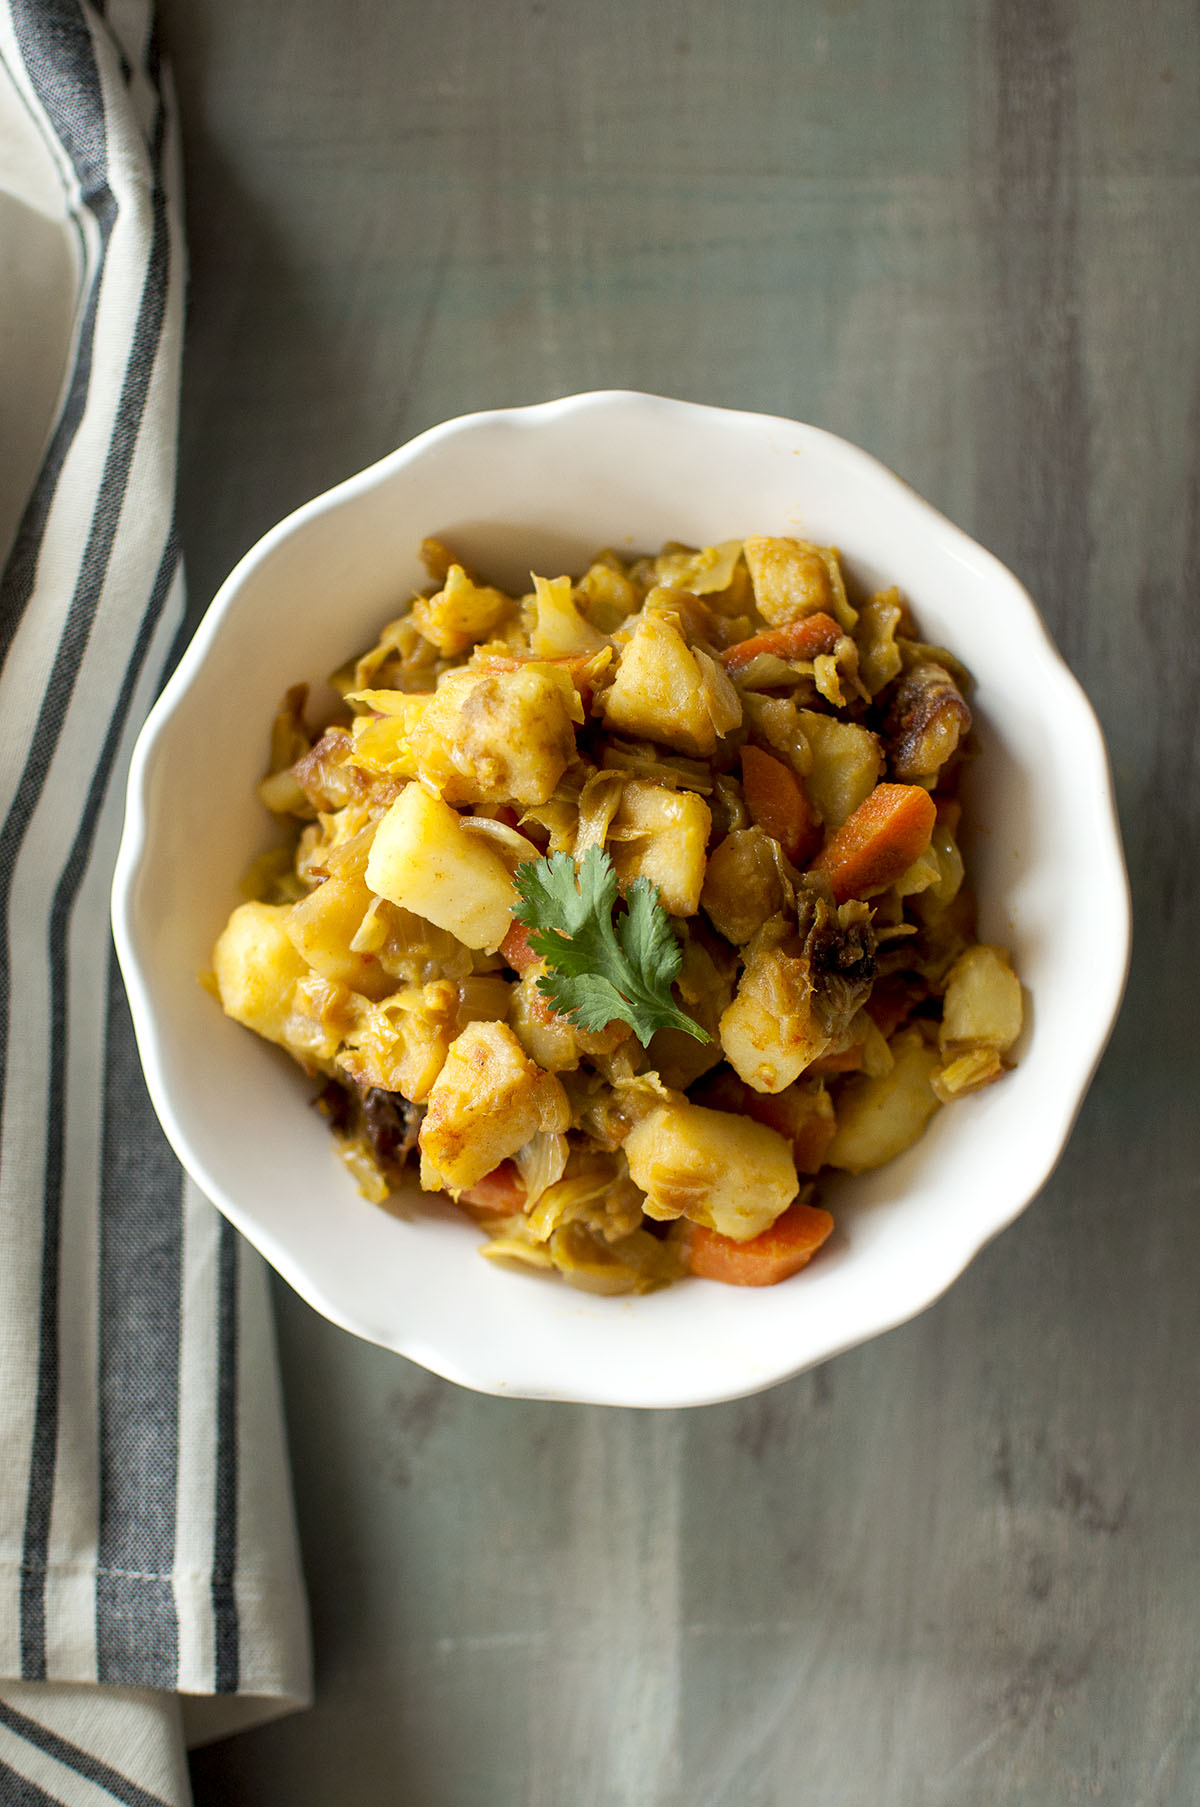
500,1193
883,837
802,639
515,948
777,801
790,1244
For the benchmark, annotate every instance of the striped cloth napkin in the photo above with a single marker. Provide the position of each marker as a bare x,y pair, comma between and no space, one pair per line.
149,1583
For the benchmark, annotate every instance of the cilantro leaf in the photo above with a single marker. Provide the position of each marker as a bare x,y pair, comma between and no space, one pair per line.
599,968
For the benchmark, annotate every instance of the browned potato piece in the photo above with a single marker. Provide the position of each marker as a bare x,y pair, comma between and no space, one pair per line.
487,1101
662,835
742,885
506,736
545,1036
771,1031
258,969
322,927
983,1002
423,859
846,766
727,1173
401,1045
663,691
481,736
877,1119
792,579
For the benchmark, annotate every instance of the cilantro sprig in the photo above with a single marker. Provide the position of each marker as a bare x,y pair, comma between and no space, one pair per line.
600,966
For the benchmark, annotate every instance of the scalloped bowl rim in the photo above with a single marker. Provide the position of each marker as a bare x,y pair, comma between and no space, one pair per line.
497,1371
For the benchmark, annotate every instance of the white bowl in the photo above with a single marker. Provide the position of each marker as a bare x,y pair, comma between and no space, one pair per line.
544,487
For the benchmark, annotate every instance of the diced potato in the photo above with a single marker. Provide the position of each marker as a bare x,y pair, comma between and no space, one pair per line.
662,835
690,613
545,1036
401,1044
608,592
662,692
502,737
847,763
424,860
487,1102
321,927
742,884
461,614
792,578
771,1032
983,1002
481,736
258,968
559,630
727,1173
877,1119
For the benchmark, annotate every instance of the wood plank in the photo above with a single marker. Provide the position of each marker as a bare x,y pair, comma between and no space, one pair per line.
960,1565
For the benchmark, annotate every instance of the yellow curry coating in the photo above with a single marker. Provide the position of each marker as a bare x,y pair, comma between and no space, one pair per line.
778,756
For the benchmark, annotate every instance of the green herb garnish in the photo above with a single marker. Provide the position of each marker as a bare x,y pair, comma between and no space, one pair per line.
600,967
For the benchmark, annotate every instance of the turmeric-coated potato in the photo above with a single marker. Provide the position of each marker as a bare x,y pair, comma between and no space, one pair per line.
877,1119
488,1100
665,692
662,835
724,1172
771,1032
423,859
258,968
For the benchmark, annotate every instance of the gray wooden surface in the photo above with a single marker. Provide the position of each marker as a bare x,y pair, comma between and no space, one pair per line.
960,1565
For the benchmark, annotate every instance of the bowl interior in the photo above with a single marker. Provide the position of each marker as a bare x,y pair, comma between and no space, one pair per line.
544,488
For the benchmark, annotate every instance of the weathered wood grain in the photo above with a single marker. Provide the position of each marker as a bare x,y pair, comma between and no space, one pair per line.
959,1567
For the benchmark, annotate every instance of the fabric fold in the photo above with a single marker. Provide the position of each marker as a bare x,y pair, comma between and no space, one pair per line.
146,1534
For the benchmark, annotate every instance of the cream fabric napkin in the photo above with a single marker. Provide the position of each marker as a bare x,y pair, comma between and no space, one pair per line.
149,1580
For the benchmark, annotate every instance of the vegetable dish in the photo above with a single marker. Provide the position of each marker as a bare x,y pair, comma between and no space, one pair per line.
624,910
